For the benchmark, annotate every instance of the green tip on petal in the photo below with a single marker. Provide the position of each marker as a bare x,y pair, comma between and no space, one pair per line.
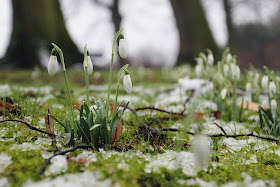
126,72
53,53
121,36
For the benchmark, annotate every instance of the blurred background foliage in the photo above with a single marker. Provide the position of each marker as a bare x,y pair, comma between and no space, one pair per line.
252,31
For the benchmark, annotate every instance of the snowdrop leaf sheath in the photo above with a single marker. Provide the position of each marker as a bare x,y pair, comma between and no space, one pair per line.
127,83
53,65
122,48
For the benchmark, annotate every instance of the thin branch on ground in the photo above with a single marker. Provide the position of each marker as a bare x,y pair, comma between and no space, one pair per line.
47,162
29,126
157,109
222,129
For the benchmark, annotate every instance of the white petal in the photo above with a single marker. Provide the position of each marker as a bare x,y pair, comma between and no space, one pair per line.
122,48
223,93
90,65
272,88
273,104
210,59
265,82
228,58
127,83
53,65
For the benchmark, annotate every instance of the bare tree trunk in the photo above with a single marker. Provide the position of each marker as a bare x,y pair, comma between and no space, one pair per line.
194,31
36,24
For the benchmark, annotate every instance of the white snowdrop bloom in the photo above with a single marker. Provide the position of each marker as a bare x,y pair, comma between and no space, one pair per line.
199,61
201,148
210,59
89,66
228,58
53,65
248,87
122,48
127,83
226,70
198,70
265,82
273,105
181,82
272,88
224,93
237,72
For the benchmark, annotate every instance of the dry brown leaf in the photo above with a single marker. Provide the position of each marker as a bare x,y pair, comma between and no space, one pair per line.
217,114
118,131
49,122
199,115
5,107
250,105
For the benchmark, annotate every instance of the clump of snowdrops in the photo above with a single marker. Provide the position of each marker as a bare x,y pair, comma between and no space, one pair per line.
96,126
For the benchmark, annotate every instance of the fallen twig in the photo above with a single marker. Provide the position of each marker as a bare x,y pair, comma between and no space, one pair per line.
29,126
42,170
222,129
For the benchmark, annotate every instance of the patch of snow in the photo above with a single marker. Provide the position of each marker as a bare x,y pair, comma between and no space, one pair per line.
26,146
172,160
58,165
85,179
5,90
46,154
237,145
88,155
4,182
253,159
197,181
5,161
123,166
59,106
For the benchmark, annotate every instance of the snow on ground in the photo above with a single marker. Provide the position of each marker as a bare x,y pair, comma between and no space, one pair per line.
5,161
85,179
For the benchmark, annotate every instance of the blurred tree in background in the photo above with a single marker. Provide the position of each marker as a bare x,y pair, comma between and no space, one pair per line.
37,23
194,32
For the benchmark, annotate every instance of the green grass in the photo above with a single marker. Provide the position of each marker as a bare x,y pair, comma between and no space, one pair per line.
26,164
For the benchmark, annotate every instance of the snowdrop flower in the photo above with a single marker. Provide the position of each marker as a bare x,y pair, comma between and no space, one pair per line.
224,93
210,59
199,61
122,47
53,63
198,70
273,105
181,82
89,65
235,71
201,148
226,70
272,88
265,82
228,58
248,87
127,82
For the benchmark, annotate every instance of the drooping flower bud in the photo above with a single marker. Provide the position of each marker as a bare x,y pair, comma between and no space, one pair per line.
89,64
201,148
226,70
224,93
127,82
53,63
228,58
265,82
210,59
248,87
273,105
198,70
272,88
122,47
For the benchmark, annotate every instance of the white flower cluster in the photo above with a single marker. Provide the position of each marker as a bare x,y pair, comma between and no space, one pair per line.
230,68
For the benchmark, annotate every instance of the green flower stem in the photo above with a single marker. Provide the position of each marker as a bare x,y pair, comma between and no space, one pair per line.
117,91
86,74
111,70
67,87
